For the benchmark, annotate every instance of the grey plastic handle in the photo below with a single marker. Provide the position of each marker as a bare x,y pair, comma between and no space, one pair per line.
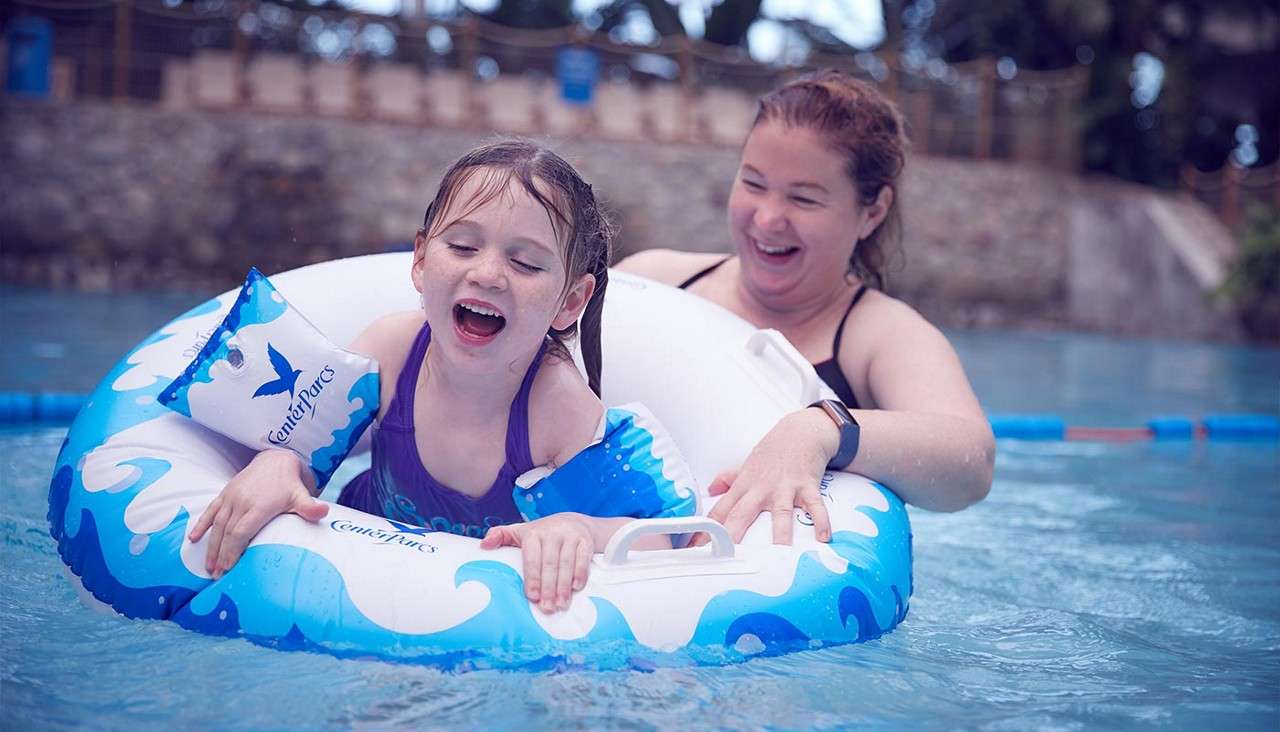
615,552
810,389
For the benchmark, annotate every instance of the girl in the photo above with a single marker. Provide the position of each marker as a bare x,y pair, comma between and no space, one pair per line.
513,251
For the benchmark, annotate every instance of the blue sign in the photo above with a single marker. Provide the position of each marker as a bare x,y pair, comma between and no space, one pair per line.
577,69
30,42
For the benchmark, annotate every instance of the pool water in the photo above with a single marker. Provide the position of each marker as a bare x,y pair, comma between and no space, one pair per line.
1099,586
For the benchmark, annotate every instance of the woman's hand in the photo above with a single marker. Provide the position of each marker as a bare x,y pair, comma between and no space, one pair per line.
273,483
782,472
557,553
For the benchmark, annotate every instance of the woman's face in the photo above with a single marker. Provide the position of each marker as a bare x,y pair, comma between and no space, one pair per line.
794,215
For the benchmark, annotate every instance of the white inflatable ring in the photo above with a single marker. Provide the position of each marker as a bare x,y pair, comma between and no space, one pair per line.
132,476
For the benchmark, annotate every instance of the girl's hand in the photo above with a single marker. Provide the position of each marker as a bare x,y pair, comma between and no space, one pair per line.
782,472
273,483
557,556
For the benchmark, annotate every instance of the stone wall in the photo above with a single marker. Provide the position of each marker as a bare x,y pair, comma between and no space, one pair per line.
99,197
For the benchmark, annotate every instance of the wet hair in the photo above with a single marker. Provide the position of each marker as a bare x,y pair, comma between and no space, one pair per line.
867,130
585,233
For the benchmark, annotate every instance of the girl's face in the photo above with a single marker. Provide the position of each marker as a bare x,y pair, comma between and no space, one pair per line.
794,215
492,278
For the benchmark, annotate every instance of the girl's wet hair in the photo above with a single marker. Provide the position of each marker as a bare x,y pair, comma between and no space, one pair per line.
867,130
584,232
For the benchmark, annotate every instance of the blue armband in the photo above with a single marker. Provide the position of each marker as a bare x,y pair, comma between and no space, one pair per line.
632,469
268,378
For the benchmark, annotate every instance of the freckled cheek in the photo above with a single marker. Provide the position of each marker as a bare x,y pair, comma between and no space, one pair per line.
544,298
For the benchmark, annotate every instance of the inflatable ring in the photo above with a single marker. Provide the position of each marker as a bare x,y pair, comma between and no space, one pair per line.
132,476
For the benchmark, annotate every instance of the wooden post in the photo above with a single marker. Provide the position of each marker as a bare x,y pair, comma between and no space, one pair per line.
688,89
360,79
986,106
124,44
467,60
924,117
93,63
240,59
891,77
1189,179
1231,195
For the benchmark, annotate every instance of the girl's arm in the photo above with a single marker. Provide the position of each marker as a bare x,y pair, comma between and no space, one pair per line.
563,417
274,482
278,481
929,441
557,552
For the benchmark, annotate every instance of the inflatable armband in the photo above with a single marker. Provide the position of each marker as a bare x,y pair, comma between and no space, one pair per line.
268,378
632,469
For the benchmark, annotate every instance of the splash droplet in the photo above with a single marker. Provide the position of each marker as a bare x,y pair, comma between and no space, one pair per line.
749,644
138,544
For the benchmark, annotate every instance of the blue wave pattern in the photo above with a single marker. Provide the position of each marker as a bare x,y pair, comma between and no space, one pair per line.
326,459
822,608
260,303
620,475
89,526
263,599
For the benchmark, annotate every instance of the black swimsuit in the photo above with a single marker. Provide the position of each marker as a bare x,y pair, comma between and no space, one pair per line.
829,370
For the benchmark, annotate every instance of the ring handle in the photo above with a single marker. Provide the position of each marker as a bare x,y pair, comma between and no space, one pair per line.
615,552
810,389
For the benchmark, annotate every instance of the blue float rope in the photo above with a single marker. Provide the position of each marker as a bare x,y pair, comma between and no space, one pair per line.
1213,427
58,407
62,407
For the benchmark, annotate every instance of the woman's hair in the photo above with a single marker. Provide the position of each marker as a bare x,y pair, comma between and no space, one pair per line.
584,232
867,130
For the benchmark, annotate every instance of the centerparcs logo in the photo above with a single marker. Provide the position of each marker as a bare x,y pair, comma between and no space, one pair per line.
302,402
403,535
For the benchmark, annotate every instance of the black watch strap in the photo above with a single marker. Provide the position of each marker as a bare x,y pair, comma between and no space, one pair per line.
850,432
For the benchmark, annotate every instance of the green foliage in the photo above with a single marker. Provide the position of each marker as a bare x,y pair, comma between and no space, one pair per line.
1254,281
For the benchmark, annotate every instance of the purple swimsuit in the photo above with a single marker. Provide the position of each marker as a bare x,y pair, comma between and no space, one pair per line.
398,485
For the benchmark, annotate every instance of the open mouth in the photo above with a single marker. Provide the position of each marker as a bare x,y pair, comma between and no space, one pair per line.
477,321
775,253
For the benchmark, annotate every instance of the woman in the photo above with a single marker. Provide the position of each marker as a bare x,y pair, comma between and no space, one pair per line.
812,207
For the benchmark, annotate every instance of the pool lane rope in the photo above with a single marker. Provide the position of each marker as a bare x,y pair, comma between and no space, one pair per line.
20,407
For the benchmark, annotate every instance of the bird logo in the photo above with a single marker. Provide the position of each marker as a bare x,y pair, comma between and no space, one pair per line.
286,375
407,529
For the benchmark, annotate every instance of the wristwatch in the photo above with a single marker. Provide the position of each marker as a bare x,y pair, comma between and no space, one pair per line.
849,432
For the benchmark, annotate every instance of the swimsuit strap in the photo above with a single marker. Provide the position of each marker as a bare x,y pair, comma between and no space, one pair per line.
702,273
519,456
835,343
407,381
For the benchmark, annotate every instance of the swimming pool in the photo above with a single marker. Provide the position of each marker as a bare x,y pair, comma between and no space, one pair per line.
1098,586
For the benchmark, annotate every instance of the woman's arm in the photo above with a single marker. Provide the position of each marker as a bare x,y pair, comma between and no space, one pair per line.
928,440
